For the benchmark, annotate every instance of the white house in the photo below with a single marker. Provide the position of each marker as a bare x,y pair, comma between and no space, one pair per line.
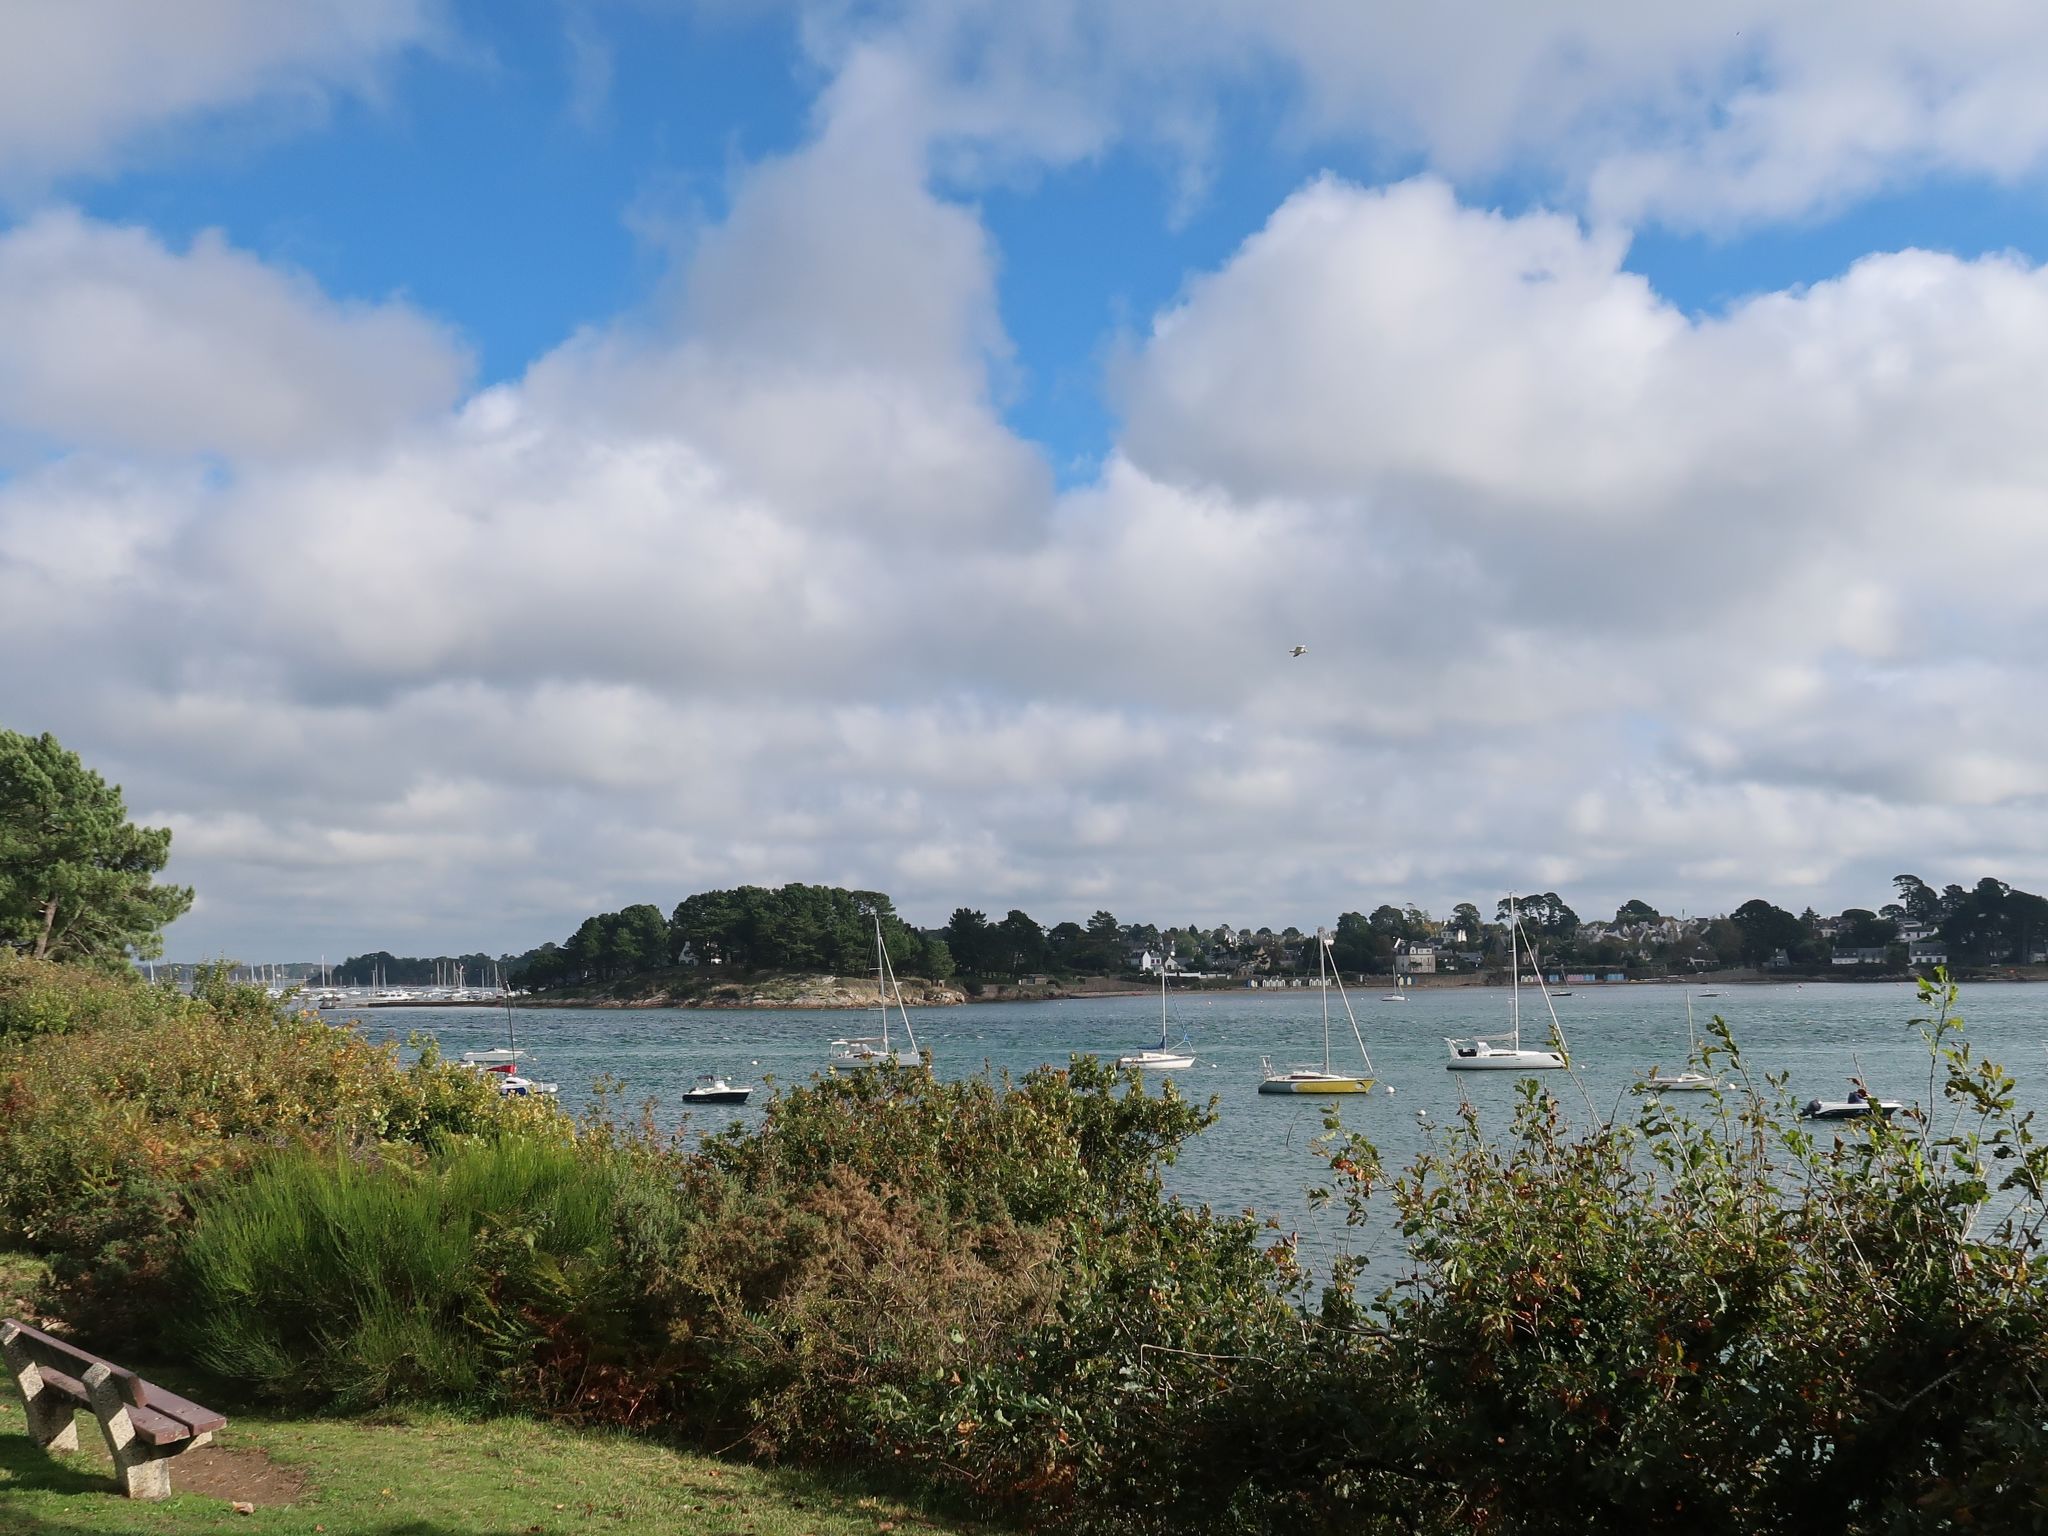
1412,957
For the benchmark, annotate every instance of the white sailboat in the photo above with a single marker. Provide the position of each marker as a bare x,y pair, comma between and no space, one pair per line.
873,1050
1326,1081
1159,1058
1688,1081
503,1065
1481,1054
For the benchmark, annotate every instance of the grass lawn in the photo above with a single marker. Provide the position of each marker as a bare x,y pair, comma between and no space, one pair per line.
431,1475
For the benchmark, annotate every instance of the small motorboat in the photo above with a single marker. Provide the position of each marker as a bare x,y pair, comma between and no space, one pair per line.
1855,1107
712,1089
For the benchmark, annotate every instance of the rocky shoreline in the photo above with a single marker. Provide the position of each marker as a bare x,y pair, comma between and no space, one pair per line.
851,993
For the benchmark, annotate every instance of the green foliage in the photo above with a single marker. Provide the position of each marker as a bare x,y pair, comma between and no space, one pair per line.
410,970
324,1278
41,997
1717,1324
77,879
1766,930
109,1132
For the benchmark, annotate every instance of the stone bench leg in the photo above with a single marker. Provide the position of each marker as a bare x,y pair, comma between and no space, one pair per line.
50,1413
143,1470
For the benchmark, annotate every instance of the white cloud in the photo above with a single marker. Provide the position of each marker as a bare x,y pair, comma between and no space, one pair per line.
1698,116
110,340
763,589
83,82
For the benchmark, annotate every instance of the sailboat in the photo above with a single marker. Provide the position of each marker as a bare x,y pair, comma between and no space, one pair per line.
873,1050
504,1064
1158,1057
1688,1081
1480,1054
1397,995
1327,1081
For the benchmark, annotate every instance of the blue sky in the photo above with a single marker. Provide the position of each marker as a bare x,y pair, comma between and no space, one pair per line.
509,184
480,464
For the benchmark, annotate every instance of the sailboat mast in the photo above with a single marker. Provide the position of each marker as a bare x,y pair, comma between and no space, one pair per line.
881,983
1162,997
1515,966
1323,980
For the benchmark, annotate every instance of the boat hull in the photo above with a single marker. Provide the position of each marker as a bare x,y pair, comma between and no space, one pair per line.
1507,1061
1677,1085
718,1095
1821,1109
1157,1061
1317,1085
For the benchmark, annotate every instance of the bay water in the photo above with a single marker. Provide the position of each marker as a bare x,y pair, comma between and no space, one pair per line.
1260,1154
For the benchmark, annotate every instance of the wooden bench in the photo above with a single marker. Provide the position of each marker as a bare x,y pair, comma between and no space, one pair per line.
145,1426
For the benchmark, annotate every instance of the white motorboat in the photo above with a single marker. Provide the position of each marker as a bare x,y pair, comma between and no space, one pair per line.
713,1089
1688,1081
1325,1080
1855,1107
1482,1053
1160,1058
876,1050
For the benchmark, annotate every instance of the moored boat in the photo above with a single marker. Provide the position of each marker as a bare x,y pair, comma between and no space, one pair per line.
1160,1058
876,1050
1480,1053
1855,1107
713,1089
1325,1080
1688,1081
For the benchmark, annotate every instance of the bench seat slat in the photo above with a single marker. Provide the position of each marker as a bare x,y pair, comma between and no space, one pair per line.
196,1419
155,1427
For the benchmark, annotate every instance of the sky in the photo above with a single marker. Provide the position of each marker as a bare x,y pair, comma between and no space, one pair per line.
465,466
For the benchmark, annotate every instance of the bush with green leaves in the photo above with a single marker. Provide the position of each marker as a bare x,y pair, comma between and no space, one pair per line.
148,1099
1721,1322
328,1278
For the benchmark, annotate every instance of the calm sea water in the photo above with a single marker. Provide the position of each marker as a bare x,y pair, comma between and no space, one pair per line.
1258,1156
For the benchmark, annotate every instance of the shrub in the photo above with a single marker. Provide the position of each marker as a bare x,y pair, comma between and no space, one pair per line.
1722,1323
328,1278
42,997
109,1131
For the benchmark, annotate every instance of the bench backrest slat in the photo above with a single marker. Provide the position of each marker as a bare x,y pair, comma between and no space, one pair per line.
167,1415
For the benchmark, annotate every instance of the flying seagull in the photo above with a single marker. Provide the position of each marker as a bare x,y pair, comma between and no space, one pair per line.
1299,650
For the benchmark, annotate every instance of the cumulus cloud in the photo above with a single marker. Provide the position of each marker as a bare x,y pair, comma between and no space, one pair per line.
110,340
761,587
1696,116
83,81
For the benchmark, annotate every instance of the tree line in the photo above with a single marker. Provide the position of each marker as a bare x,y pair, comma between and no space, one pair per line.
794,927
815,928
